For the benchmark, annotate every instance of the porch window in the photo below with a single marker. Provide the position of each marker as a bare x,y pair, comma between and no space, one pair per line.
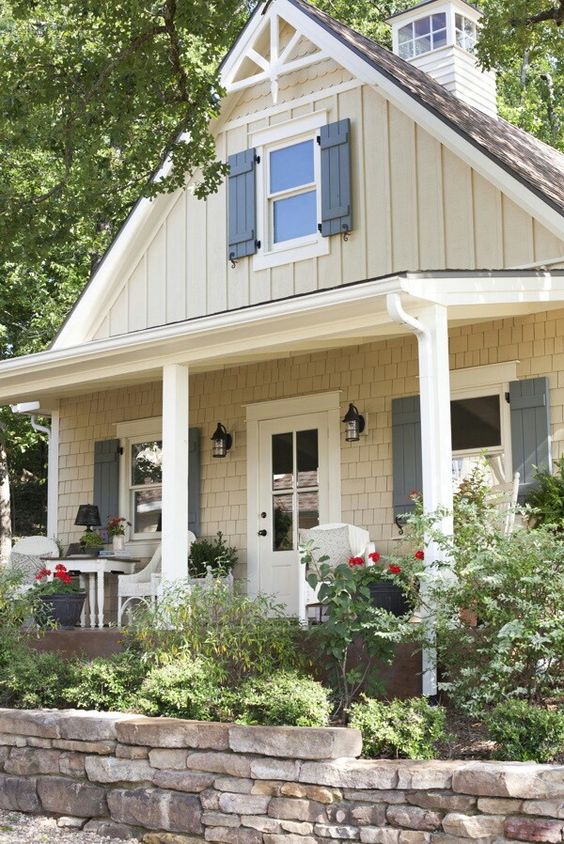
480,429
145,486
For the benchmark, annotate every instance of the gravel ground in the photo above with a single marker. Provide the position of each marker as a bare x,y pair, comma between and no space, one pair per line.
16,828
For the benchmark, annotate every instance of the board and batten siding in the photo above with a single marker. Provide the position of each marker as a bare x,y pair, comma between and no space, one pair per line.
416,206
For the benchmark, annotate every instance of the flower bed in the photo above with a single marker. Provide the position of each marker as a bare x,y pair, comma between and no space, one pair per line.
125,775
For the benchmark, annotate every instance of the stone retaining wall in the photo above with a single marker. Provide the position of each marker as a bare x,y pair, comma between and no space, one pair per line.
168,781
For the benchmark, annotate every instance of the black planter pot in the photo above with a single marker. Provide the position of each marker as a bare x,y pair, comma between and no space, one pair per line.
388,596
64,609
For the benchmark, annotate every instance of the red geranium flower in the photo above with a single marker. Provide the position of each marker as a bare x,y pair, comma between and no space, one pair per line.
393,569
419,555
375,557
356,561
60,567
42,573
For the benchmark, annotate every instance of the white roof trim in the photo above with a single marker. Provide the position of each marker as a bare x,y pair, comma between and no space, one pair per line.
87,311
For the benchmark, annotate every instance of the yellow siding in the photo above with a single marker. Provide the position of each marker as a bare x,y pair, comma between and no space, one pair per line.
371,374
416,205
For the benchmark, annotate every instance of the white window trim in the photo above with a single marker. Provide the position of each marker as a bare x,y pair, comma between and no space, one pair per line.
129,433
488,380
278,137
430,34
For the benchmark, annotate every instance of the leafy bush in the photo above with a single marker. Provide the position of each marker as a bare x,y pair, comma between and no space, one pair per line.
400,729
215,553
351,618
546,499
284,699
31,679
244,636
514,587
526,733
186,688
107,684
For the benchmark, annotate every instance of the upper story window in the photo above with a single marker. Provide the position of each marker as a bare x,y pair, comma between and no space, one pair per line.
466,32
292,193
423,35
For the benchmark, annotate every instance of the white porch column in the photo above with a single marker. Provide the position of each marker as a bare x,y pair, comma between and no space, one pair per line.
175,472
431,330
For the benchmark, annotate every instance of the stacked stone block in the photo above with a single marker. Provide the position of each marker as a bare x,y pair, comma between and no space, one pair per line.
169,781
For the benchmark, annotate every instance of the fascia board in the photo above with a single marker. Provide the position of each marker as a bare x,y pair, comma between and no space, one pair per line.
487,290
362,68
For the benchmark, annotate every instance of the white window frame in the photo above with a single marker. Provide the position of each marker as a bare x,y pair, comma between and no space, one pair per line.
414,38
488,380
458,31
129,433
269,140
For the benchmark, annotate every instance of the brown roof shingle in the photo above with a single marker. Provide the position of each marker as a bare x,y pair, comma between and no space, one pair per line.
538,166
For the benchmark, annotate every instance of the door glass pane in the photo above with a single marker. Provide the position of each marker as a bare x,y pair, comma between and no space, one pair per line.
283,461
291,167
147,510
146,463
295,216
283,522
308,509
476,423
308,458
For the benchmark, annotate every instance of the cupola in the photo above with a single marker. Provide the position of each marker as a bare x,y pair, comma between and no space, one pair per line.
439,37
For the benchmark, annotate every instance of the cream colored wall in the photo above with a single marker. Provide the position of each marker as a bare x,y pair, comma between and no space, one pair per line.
370,375
416,206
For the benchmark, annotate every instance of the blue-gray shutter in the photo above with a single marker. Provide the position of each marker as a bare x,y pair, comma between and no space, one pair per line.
336,197
106,478
406,452
242,205
194,480
530,430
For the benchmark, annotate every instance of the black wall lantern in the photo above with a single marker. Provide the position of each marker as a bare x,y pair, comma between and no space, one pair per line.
355,424
221,441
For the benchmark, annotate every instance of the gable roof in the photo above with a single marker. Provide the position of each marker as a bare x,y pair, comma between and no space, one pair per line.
536,164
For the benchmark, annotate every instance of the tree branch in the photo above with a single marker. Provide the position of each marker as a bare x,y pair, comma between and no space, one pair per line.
554,13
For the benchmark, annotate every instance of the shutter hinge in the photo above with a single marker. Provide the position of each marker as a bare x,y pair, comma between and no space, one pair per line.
257,159
120,450
508,398
320,227
318,139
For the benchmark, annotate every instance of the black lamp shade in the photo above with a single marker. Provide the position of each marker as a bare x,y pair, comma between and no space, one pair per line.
88,516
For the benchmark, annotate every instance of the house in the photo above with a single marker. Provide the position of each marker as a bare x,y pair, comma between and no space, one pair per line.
385,247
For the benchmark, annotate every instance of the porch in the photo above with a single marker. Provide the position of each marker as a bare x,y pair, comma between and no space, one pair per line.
267,371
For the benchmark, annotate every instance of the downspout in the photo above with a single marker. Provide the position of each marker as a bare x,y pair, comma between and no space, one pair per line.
41,429
424,341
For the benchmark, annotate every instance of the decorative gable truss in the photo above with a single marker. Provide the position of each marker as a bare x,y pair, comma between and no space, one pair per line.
274,49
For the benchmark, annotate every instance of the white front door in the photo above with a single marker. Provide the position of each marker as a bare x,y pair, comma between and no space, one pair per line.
294,493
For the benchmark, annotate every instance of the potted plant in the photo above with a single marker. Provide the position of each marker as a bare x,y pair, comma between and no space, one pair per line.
387,583
214,554
91,543
58,599
116,528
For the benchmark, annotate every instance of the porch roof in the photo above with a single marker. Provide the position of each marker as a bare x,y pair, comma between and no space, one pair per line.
348,314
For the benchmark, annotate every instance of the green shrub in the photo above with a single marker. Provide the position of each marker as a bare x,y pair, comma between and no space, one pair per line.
514,587
186,688
285,699
31,679
399,729
244,636
221,558
107,684
546,499
525,733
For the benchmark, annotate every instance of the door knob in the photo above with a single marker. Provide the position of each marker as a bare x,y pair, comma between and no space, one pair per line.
262,533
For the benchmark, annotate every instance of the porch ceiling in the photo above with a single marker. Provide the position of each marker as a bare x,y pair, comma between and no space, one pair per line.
350,314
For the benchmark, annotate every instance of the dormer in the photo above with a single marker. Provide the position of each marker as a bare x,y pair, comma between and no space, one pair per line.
439,38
